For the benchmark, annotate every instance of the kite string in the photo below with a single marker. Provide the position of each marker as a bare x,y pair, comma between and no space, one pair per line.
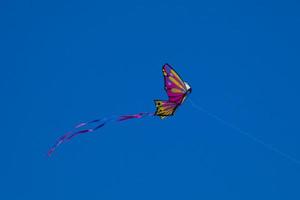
248,134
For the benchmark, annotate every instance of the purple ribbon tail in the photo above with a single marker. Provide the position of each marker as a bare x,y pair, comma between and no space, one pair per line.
100,123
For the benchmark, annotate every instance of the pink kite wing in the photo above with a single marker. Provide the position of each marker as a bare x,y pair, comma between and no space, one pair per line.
174,85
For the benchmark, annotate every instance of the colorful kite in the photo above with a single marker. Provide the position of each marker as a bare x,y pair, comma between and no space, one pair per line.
177,91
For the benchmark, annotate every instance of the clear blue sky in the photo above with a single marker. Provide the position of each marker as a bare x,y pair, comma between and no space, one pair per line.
63,62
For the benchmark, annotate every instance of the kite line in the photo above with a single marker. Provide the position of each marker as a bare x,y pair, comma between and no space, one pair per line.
245,133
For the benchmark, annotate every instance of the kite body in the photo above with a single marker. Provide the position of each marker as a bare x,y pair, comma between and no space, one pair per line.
177,91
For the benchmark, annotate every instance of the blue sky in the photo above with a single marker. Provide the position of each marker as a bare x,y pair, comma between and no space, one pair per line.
63,62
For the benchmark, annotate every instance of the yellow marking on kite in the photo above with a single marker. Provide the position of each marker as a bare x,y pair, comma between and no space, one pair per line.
175,90
164,72
176,82
176,75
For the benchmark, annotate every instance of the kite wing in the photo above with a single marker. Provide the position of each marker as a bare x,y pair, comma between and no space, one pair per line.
165,108
175,87
176,90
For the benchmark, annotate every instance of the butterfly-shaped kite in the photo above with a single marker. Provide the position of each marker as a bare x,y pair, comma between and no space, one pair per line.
177,91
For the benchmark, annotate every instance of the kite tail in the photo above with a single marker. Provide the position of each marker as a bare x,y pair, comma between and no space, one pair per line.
99,123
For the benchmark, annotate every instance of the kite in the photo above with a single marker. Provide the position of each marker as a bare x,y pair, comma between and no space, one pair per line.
176,89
